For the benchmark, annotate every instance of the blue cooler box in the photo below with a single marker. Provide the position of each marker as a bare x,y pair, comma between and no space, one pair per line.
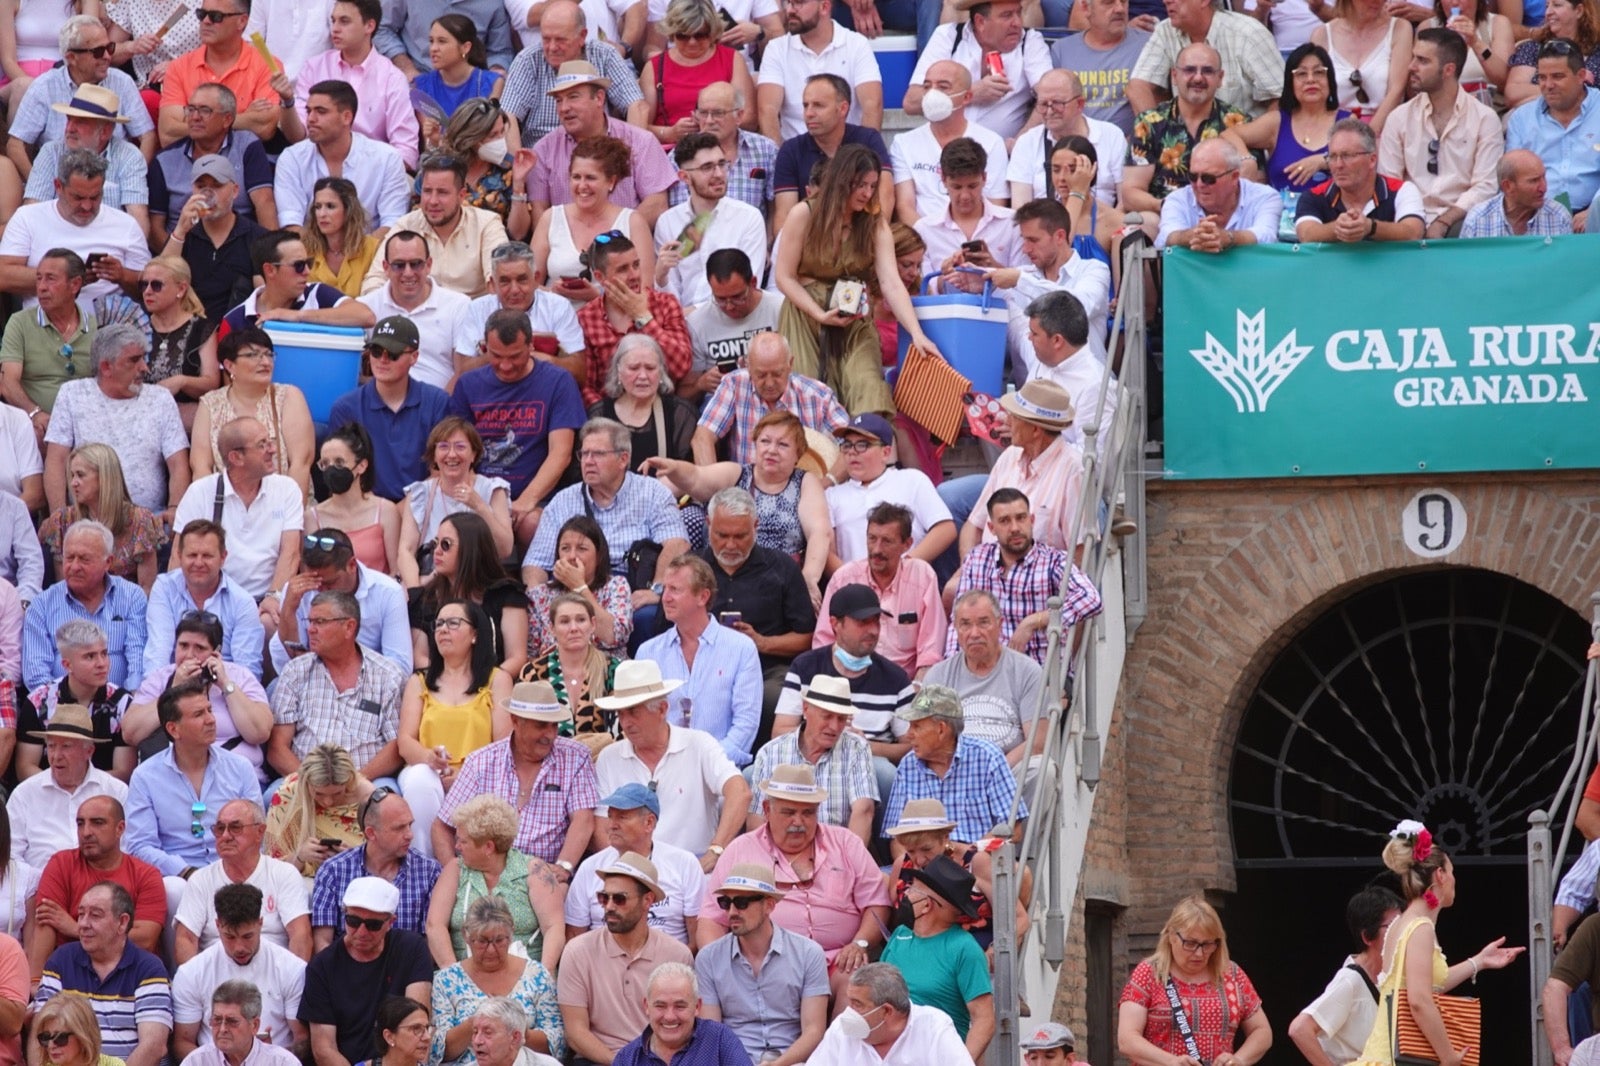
324,362
897,58
970,332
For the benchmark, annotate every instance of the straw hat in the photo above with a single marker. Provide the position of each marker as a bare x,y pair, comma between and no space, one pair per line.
72,721
637,681
92,101
1043,403
576,72
921,816
749,878
632,864
795,783
536,701
829,692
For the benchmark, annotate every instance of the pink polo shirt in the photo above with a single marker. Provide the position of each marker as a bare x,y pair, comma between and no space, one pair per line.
597,975
911,645
826,909
383,98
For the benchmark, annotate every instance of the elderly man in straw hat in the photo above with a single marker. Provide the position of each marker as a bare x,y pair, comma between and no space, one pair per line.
44,807
686,768
1041,463
943,965
579,91
766,983
92,119
834,893
840,757
970,776
604,972
549,779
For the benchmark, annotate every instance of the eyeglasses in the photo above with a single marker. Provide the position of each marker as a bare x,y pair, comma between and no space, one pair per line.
1212,179
707,168
858,446
446,543
1313,74
713,113
102,51
1206,71
215,17
738,903
198,111
152,284
1047,106
255,353
299,266
1361,93
232,828
324,542
597,454
419,1028
372,924
46,1038
616,899
451,624
400,266
1346,157
377,797
1193,946
1433,156
196,810
500,942
326,621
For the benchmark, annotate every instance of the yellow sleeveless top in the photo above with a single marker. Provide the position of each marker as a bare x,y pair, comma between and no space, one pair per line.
462,728
1380,1042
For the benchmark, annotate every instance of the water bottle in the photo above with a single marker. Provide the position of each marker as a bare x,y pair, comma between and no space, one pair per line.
1291,200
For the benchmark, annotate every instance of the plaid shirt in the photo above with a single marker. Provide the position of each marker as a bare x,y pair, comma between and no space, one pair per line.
749,173
1488,219
845,770
1026,589
415,882
976,791
565,785
666,325
642,509
8,704
736,406
526,96
363,719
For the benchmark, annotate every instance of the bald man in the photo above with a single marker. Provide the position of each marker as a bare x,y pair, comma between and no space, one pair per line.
1220,210
1060,108
914,155
1521,206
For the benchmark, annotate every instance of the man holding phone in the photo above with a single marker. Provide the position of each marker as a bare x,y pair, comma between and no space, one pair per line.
721,328
971,231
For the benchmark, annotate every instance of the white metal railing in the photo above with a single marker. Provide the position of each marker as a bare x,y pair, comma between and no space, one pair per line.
1544,865
1075,660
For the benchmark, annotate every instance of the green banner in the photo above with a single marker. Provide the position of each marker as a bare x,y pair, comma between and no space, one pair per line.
1320,360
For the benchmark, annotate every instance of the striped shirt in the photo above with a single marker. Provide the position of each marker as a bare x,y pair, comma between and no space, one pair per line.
565,785
976,790
1025,588
877,694
1488,219
136,992
120,616
642,509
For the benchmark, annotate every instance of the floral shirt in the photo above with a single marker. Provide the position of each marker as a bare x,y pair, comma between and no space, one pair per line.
455,998
144,536
1161,139
1214,1014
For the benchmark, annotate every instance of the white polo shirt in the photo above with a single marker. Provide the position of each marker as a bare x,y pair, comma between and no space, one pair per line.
914,155
681,878
734,224
849,502
549,314
788,62
1028,164
437,319
283,899
44,815
254,532
277,972
688,780
1025,65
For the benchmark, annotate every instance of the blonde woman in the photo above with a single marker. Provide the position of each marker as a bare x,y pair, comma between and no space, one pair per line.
69,1034
335,235
484,138
694,59
94,481
183,342
247,361
1191,964
315,813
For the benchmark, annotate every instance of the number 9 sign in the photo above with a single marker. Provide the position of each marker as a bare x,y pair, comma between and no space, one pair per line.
1434,523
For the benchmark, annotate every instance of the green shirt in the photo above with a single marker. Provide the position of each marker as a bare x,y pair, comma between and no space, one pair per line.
946,971
31,340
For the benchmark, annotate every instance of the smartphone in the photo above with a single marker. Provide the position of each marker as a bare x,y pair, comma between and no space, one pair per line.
972,247
728,21
730,618
331,842
995,64
94,257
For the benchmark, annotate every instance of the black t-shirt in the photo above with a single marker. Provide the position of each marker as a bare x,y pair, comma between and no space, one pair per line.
769,591
877,694
346,994
105,713
499,596
222,275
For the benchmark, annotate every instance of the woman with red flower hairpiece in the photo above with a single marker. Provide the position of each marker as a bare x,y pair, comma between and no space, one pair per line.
1412,958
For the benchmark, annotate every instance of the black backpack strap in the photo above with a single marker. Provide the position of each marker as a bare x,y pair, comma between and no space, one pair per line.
1366,979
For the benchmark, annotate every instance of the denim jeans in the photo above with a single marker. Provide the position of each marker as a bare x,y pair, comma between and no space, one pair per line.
902,16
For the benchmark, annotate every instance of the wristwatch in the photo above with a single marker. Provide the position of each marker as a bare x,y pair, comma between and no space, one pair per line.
716,849
565,865
641,321
863,945
656,588
229,689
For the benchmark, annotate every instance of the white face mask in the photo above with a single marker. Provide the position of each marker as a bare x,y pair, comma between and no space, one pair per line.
937,106
854,1024
493,152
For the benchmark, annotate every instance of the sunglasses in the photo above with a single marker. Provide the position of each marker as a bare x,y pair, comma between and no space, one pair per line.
377,797
299,266
203,617
66,353
215,17
324,542
152,284
231,828
99,51
1557,48
446,543
373,924
702,35
1433,156
46,1038
1361,93
196,811
375,351
400,266
616,899
607,237
1212,179
738,903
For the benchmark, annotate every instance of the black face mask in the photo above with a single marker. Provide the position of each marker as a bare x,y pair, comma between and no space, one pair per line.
338,479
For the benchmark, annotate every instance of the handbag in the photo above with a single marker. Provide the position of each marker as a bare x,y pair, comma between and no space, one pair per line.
639,562
1463,1024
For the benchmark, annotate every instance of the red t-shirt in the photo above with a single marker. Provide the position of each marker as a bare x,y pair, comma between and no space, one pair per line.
67,877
